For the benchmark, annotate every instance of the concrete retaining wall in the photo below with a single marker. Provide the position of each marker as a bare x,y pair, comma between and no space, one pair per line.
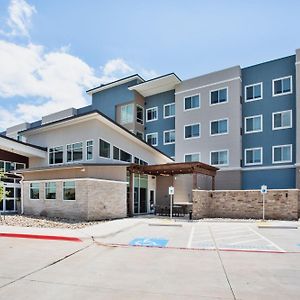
279,204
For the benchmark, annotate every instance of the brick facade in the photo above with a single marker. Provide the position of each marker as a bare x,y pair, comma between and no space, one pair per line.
95,200
279,204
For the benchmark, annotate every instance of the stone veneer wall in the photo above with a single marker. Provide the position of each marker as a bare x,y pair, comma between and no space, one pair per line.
95,200
279,204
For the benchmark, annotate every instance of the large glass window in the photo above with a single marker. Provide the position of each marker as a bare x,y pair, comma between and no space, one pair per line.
253,124
35,191
169,137
56,155
89,150
219,127
50,190
192,157
169,110
140,114
219,158
282,86
69,190
192,102
253,156
116,153
192,131
104,149
125,156
282,120
127,113
282,154
253,92
152,114
75,152
218,96
152,138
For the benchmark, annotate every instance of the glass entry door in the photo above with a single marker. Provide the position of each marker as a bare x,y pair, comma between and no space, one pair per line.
140,194
12,193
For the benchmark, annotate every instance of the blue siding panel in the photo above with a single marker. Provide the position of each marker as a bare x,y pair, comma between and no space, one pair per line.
274,179
161,124
265,73
107,100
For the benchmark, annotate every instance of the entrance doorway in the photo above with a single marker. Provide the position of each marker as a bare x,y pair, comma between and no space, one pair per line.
140,194
12,193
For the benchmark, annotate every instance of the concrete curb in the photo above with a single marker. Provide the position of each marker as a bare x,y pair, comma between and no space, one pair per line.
40,237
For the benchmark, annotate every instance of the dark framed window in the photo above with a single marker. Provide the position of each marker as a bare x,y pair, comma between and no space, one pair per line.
104,149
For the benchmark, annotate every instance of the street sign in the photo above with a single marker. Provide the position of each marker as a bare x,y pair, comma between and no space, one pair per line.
264,189
171,190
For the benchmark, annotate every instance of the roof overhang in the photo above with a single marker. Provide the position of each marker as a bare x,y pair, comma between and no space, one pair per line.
113,84
157,85
24,149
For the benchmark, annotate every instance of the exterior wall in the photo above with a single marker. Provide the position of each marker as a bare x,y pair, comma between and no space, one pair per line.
274,178
298,115
279,204
161,124
63,114
230,78
106,100
265,73
95,200
162,189
93,129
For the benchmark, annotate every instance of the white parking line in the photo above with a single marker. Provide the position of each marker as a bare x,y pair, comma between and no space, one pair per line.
266,239
189,244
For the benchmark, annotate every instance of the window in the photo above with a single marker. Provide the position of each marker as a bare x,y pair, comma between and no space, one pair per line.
152,114
192,131
34,191
219,127
152,138
218,96
253,92
116,153
192,157
104,149
140,114
125,156
74,152
169,137
89,150
169,110
282,154
56,155
140,135
69,190
192,102
253,124
282,86
127,113
20,166
253,156
50,190
282,120
219,158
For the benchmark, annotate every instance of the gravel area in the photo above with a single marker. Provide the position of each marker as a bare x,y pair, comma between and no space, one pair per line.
44,222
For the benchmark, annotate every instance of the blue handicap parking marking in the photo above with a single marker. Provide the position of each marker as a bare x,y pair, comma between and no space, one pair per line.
149,242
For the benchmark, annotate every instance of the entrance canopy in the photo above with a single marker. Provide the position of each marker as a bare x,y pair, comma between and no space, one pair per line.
174,169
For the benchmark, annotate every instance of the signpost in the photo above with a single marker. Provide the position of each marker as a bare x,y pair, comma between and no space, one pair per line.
264,190
171,193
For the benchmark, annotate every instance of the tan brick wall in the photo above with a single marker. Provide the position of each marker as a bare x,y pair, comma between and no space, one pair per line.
279,204
95,200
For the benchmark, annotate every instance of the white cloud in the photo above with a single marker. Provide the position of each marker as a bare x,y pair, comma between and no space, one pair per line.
19,19
46,81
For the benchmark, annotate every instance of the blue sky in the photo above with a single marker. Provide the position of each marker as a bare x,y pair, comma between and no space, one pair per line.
52,51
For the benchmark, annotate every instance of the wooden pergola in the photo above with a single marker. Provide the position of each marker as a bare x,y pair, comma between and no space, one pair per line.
171,169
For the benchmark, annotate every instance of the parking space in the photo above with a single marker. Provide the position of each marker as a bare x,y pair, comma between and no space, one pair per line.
207,236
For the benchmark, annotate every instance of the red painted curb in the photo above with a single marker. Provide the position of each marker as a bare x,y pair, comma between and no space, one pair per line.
40,237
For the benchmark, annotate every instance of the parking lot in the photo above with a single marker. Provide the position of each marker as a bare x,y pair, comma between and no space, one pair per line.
155,258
